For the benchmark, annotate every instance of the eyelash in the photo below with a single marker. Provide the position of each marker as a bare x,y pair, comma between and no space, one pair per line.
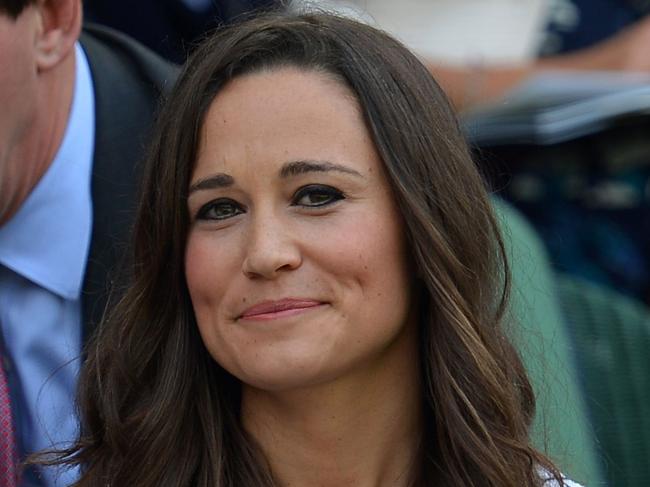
332,196
205,210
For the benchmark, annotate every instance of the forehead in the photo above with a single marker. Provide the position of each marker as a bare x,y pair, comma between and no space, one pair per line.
272,116
269,88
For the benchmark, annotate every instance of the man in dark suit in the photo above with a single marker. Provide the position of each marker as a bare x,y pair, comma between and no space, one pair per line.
172,26
75,111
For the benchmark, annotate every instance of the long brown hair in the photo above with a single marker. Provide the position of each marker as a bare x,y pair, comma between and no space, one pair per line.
158,411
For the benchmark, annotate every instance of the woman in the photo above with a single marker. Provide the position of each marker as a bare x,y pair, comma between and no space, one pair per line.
318,283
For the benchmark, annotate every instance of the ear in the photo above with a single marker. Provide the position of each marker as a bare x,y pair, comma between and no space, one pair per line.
59,29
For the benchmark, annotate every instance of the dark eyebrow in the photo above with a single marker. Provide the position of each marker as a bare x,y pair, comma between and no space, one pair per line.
301,167
289,169
212,182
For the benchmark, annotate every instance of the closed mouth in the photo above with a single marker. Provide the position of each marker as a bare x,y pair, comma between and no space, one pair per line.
269,310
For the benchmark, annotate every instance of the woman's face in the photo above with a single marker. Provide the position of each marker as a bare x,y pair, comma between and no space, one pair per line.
296,260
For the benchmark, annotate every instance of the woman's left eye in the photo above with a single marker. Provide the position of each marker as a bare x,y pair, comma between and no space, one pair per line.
317,195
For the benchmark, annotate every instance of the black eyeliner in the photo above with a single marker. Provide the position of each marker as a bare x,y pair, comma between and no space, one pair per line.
333,193
203,211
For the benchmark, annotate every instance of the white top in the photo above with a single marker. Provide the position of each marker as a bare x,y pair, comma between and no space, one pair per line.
454,31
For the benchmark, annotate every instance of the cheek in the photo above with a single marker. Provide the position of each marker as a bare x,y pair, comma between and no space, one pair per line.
368,255
211,267
208,271
18,98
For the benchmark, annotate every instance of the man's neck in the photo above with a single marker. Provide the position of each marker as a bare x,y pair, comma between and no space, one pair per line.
34,152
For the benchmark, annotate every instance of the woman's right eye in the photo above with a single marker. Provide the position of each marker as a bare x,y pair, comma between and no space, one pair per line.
221,209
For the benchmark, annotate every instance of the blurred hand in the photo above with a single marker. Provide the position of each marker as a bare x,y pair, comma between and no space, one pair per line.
469,86
626,51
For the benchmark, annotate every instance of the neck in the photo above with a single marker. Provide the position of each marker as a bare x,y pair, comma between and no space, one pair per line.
363,431
29,159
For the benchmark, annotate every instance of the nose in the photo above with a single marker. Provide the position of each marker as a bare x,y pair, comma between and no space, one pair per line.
271,251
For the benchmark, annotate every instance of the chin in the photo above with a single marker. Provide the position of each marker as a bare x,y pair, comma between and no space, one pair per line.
284,373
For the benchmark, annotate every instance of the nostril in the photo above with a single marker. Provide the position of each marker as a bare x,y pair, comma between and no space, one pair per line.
271,262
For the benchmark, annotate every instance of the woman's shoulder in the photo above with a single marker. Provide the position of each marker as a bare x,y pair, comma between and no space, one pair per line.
567,483
551,481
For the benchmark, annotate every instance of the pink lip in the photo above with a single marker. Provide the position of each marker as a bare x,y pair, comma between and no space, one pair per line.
270,310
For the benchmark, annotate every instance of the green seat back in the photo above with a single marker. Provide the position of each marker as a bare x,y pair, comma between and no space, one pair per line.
561,428
612,338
